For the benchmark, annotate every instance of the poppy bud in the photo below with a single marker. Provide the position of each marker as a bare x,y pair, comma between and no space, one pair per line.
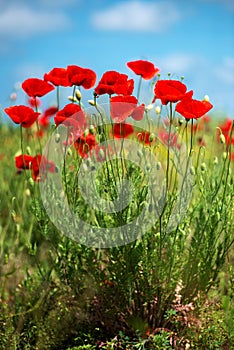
148,167
203,166
158,165
149,107
28,150
69,152
27,192
180,121
192,170
218,216
215,161
31,182
78,94
101,153
206,98
225,155
92,129
92,102
222,138
151,137
72,99
158,109
57,137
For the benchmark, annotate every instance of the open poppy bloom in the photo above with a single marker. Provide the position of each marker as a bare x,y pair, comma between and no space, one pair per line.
58,77
144,137
122,107
79,76
71,115
35,87
193,109
113,82
226,129
23,115
84,144
40,166
138,112
145,69
122,130
23,161
169,91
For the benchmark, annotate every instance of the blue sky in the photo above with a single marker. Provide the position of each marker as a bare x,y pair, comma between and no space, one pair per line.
190,38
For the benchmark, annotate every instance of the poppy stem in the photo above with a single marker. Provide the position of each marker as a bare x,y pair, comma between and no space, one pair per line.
57,95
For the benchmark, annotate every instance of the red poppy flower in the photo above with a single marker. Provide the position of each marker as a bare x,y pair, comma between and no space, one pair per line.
138,112
122,107
226,129
44,119
145,69
144,137
23,161
79,76
40,167
122,130
113,82
35,87
169,91
193,109
58,77
23,115
84,144
70,115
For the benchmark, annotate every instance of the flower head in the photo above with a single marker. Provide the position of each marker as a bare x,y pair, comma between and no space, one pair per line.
145,69
35,87
58,77
169,91
23,115
79,76
193,109
113,82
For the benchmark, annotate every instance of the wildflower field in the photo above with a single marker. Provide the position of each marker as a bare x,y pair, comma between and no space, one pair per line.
117,225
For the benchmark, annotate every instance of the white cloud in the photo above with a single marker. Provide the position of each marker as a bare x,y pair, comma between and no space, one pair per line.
137,16
22,22
179,63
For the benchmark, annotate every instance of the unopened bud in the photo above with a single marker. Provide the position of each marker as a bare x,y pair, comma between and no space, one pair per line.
92,129
222,138
27,192
92,102
180,121
203,166
31,182
151,137
215,161
206,98
158,109
72,99
218,215
225,155
78,94
149,107
158,166
28,150
192,170
57,137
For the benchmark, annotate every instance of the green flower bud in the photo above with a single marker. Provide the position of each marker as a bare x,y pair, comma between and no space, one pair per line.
78,94
57,137
151,137
222,139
